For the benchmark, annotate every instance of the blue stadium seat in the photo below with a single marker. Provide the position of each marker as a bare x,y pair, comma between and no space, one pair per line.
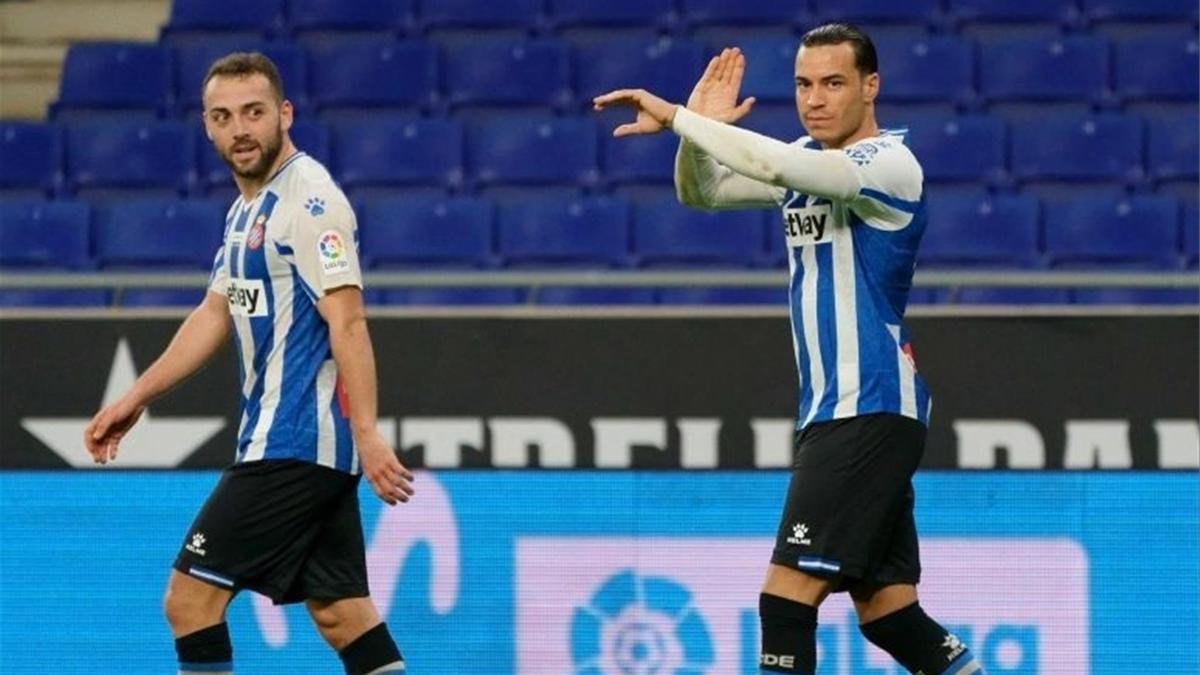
770,68
32,158
1164,64
1069,147
776,296
159,233
780,122
964,148
595,295
879,11
455,297
666,233
508,72
37,298
1137,296
1173,147
1064,68
668,67
310,136
586,230
161,297
639,159
533,150
399,152
1006,295
200,17
1138,231
130,155
656,13
1191,231
192,62
307,16
114,75
745,12
1007,11
1139,10
45,234
373,72
990,231
439,231
524,14
934,68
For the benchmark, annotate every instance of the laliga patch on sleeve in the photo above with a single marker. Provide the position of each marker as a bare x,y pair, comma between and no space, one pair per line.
331,249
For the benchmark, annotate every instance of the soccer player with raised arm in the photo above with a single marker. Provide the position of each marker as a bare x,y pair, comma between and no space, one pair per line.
852,211
284,518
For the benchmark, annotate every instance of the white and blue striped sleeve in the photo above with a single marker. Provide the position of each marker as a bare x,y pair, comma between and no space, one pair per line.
890,182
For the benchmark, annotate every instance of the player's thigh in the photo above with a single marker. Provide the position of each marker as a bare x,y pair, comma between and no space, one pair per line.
795,585
874,601
190,604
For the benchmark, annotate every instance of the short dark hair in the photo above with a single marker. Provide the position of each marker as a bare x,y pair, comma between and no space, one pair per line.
245,64
865,59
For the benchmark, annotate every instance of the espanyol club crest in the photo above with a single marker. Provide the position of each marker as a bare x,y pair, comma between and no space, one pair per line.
255,238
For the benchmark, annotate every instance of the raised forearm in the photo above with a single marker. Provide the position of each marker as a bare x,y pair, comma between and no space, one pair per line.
761,158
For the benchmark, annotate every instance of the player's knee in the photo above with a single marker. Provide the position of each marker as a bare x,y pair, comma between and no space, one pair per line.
341,621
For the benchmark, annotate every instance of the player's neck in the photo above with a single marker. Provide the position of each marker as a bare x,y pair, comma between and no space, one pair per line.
250,187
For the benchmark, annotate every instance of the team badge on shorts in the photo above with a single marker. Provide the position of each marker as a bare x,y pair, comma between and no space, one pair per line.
333,253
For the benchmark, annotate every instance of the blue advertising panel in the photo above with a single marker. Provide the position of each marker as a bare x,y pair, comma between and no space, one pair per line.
616,573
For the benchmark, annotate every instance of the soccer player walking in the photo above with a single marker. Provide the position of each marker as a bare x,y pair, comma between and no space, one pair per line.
853,212
284,519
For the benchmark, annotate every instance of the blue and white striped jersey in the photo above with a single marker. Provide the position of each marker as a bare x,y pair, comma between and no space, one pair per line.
282,252
851,265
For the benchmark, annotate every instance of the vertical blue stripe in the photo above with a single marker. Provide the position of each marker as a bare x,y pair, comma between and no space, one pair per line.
826,331
234,266
262,328
796,292
296,435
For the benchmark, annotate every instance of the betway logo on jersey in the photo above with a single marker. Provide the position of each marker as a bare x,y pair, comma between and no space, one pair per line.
690,604
247,297
808,226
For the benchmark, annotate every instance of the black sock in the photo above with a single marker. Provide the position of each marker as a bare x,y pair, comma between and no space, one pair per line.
917,642
372,652
209,646
789,635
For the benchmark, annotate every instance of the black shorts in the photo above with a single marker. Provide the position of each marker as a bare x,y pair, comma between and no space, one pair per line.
849,510
287,529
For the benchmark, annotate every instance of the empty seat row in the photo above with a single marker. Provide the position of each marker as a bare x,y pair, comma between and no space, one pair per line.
382,72
528,149
190,18
773,296
610,232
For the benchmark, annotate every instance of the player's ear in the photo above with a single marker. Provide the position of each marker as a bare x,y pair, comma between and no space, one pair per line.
870,87
286,114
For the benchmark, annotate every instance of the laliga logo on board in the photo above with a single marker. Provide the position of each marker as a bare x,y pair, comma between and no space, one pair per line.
636,625
672,605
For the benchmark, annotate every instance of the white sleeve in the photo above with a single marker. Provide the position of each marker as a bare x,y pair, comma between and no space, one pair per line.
878,177
218,279
325,244
701,181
